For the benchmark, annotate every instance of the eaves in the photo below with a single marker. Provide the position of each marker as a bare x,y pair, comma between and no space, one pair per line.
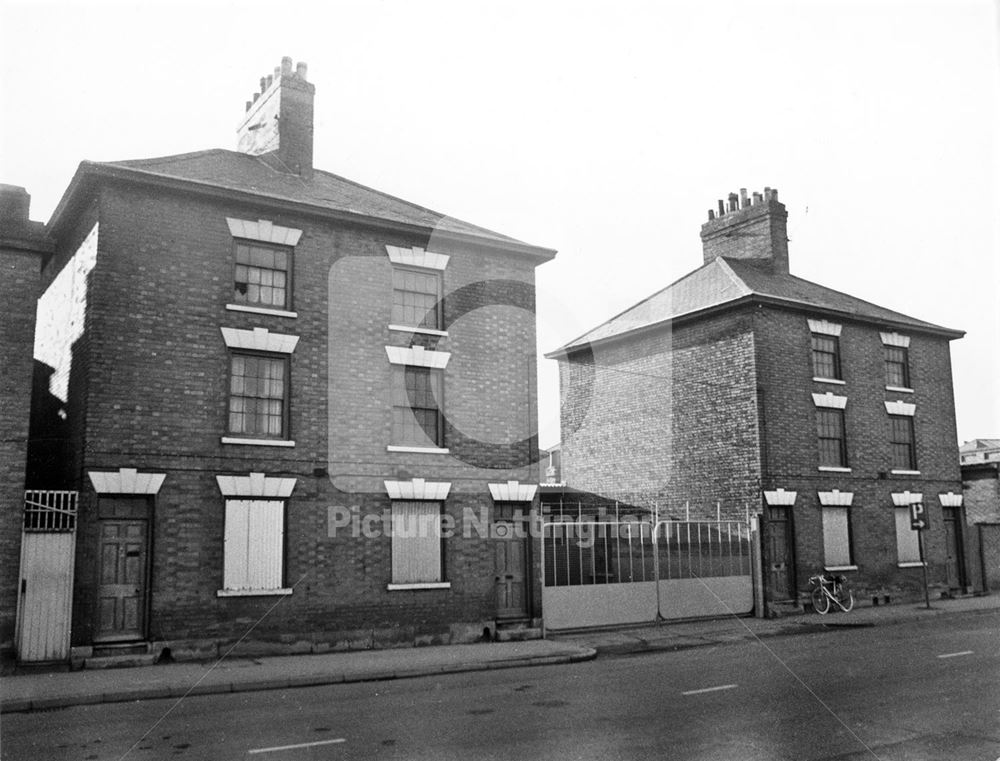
90,173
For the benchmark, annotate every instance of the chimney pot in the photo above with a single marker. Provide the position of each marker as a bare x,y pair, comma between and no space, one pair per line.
743,198
733,202
270,79
249,103
256,95
722,208
277,72
263,84
711,215
286,66
774,194
301,70
757,198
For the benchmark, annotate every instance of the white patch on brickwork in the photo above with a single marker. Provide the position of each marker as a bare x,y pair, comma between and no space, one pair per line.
61,315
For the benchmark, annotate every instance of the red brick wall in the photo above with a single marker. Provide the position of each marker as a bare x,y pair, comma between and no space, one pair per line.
158,376
791,445
19,286
667,419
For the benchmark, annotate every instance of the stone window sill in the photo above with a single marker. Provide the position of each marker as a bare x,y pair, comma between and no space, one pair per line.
257,442
418,450
905,472
911,564
261,310
419,585
835,381
253,592
900,389
840,568
832,469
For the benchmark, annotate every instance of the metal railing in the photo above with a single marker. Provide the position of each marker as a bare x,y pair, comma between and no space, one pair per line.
585,550
50,511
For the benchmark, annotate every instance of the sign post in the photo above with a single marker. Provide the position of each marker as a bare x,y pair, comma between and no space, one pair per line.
919,524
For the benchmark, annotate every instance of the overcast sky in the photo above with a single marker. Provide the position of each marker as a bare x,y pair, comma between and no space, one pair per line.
605,130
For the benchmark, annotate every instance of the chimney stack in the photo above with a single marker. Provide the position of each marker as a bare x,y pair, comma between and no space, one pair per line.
748,227
278,123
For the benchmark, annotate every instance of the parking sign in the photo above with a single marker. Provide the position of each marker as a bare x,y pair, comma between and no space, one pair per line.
917,520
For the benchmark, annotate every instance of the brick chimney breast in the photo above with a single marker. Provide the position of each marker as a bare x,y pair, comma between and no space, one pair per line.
278,122
754,228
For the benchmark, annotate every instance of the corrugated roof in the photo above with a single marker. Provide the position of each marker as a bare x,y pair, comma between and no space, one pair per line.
725,280
232,170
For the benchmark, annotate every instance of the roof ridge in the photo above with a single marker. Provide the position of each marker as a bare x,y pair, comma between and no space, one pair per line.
852,297
636,305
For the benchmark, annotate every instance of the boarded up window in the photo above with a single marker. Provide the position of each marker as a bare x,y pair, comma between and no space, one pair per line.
836,537
907,541
254,545
416,542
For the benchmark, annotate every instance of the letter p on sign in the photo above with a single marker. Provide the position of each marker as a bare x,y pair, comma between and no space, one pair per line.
917,521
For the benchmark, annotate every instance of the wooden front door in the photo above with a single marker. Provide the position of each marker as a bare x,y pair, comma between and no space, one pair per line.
121,591
954,556
780,555
510,569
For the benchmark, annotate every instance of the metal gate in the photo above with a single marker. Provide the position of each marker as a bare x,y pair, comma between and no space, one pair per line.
45,584
601,572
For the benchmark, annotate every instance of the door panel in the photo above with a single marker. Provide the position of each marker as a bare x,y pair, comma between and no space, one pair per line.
510,562
122,591
779,554
954,558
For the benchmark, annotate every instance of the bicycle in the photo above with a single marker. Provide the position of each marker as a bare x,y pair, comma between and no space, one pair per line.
827,589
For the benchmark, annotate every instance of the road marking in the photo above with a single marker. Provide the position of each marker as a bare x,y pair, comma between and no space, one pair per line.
710,689
955,655
300,745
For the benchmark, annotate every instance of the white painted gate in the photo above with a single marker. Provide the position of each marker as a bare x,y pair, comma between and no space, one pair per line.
606,572
45,585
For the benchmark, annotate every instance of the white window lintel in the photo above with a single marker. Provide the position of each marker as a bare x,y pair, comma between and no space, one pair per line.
259,339
417,257
836,498
830,400
825,327
899,407
264,231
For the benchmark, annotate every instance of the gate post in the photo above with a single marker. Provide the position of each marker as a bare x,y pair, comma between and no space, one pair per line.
757,566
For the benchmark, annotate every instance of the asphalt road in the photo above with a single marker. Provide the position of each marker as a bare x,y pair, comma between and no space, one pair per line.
926,690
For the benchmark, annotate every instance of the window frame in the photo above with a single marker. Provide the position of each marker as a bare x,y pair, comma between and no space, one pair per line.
438,277
903,364
244,302
233,556
839,415
834,354
286,427
397,578
435,378
910,443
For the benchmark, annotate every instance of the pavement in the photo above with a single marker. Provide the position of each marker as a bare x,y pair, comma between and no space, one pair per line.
43,691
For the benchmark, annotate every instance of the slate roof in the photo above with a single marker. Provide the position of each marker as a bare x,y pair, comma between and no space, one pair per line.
231,170
725,281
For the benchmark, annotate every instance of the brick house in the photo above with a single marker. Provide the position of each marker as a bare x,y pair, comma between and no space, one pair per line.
277,391
741,387
23,248
981,493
